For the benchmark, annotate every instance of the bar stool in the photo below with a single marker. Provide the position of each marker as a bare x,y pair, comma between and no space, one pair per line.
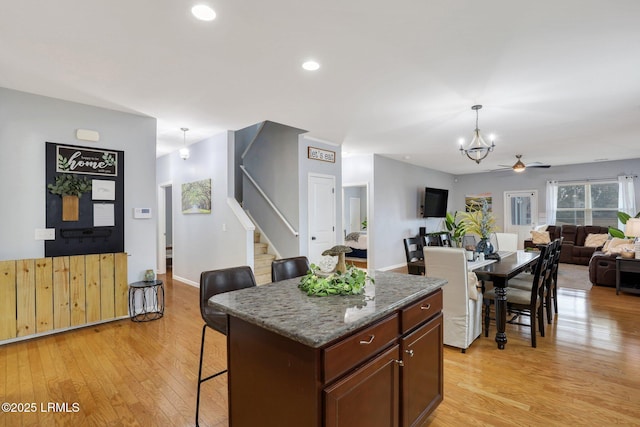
212,283
288,268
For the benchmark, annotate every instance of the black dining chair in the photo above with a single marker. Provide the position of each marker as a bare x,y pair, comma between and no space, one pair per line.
527,302
212,283
550,292
288,268
415,256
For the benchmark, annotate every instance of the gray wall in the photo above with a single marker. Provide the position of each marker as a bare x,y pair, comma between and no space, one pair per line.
272,161
535,179
27,121
399,188
204,241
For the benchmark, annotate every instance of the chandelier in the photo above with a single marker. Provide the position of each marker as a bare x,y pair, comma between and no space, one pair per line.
184,151
478,148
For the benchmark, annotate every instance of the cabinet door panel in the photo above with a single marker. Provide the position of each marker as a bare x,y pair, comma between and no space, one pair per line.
421,380
367,397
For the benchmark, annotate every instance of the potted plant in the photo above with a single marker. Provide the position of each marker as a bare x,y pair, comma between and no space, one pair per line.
70,187
455,227
623,217
481,222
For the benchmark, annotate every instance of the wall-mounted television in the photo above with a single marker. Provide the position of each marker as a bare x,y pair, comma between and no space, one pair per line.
435,203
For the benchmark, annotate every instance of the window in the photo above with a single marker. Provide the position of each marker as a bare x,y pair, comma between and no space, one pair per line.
588,203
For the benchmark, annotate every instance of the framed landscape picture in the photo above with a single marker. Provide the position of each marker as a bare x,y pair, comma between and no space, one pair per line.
196,197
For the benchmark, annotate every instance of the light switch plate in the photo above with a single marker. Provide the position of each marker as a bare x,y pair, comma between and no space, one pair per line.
45,233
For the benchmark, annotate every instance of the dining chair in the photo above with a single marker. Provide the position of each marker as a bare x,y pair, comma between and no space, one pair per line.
461,296
445,239
549,293
288,268
507,242
415,257
554,275
215,282
527,302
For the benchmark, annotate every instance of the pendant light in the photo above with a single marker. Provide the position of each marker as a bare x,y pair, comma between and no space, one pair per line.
478,149
184,151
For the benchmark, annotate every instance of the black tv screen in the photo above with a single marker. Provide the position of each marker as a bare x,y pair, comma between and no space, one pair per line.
435,203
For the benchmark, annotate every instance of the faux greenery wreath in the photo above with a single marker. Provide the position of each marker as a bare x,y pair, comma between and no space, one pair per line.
351,282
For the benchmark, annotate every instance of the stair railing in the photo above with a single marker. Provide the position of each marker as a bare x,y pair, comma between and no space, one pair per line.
268,200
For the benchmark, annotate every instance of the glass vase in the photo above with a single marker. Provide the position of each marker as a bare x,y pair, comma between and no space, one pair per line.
484,246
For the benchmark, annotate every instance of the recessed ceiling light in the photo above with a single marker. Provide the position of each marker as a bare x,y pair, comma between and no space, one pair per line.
311,65
203,12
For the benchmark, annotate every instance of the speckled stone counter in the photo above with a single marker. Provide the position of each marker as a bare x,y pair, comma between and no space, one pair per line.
316,321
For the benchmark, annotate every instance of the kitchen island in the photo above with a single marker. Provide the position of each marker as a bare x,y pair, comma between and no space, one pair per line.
370,359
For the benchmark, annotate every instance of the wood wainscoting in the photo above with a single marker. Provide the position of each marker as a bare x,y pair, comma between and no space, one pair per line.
47,295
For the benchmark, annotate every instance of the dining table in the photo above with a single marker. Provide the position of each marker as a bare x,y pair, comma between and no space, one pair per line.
499,272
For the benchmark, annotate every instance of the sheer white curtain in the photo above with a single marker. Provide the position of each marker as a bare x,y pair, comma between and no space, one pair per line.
552,201
626,196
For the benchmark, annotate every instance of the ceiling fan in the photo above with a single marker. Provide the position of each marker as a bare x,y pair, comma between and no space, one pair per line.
519,166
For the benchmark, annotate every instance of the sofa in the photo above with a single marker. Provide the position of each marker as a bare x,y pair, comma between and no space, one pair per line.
576,246
602,266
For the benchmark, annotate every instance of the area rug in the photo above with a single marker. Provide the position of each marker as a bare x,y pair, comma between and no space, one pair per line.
573,276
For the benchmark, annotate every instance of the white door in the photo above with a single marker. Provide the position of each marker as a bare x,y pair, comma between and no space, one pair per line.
354,214
520,213
322,215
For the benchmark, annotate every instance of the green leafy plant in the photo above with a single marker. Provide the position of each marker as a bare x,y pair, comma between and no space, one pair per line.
69,185
479,220
351,282
455,227
622,217
363,225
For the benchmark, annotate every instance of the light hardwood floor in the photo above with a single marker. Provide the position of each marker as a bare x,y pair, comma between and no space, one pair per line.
585,372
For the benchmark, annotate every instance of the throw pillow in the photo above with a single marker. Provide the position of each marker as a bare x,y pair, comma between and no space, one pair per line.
625,247
613,245
595,240
540,237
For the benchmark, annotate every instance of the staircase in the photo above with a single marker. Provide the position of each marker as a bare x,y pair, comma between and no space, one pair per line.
261,260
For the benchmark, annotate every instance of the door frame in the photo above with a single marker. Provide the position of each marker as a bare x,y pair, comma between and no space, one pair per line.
161,250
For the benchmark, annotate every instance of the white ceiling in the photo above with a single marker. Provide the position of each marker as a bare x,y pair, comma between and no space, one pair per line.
559,80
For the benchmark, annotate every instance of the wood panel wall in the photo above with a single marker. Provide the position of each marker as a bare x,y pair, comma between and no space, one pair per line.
48,294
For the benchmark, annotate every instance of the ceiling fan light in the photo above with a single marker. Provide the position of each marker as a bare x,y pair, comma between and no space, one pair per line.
519,166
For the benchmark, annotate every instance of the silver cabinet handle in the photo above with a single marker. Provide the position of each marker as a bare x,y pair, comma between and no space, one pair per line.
409,352
399,362
422,307
368,342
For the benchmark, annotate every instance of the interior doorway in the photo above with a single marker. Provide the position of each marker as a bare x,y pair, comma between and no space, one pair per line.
165,229
355,202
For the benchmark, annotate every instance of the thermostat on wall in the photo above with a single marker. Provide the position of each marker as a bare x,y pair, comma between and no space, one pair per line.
142,213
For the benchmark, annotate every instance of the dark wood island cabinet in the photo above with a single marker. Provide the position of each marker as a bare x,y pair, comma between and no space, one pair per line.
363,360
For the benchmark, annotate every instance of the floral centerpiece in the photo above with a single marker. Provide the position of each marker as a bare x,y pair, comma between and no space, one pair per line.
349,282
479,220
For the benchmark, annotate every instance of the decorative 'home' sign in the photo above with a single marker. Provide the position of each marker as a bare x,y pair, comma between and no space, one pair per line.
319,154
86,161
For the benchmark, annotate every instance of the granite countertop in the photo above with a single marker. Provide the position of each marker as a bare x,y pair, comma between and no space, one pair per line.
316,321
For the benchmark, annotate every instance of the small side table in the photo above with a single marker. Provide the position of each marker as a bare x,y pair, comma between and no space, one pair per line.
152,296
627,275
